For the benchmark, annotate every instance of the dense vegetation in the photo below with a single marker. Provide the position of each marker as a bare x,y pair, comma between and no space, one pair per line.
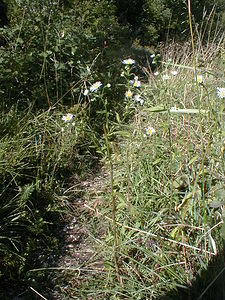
70,100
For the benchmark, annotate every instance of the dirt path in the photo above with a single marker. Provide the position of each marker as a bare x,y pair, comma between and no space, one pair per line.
82,235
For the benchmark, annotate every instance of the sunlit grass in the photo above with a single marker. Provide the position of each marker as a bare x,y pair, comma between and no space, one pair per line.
164,148
168,179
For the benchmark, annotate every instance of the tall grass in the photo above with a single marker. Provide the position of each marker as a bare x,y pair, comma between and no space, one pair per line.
164,148
34,155
168,186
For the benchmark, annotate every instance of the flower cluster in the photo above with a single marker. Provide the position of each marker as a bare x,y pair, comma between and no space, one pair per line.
94,88
137,97
67,119
133,83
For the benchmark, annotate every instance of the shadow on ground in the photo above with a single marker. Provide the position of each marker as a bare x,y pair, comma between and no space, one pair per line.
208,285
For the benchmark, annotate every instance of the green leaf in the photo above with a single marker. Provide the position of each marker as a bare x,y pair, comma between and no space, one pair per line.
216,204
157,161
118,118
222,231
188,111
193,160
219,191
156,109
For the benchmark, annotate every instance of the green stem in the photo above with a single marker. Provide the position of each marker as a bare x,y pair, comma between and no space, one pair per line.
115,247
198,100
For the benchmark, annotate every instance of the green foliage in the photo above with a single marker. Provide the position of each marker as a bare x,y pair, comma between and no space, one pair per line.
33,150
168,183
54,52
158,20
49,50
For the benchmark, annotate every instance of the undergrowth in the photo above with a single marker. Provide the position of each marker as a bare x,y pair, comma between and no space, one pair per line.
158,128
165,208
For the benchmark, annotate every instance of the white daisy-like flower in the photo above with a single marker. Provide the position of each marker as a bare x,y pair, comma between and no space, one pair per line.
128,61
67,118
139,99
199,79
86,92
150,130
221,92
174,72
95,86
128,94
137,83
165,77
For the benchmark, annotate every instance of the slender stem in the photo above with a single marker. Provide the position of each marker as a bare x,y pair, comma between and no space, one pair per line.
113,208
43,70
42,297
199,108
171,170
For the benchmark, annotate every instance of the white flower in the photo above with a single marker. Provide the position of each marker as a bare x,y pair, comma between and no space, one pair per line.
128,94
67,118
95,86
131,82
139,99
152,56
108,85
137,83
156,73
165,77
174,72
73,124
150,130
199,79
86,92
128,61
221,92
